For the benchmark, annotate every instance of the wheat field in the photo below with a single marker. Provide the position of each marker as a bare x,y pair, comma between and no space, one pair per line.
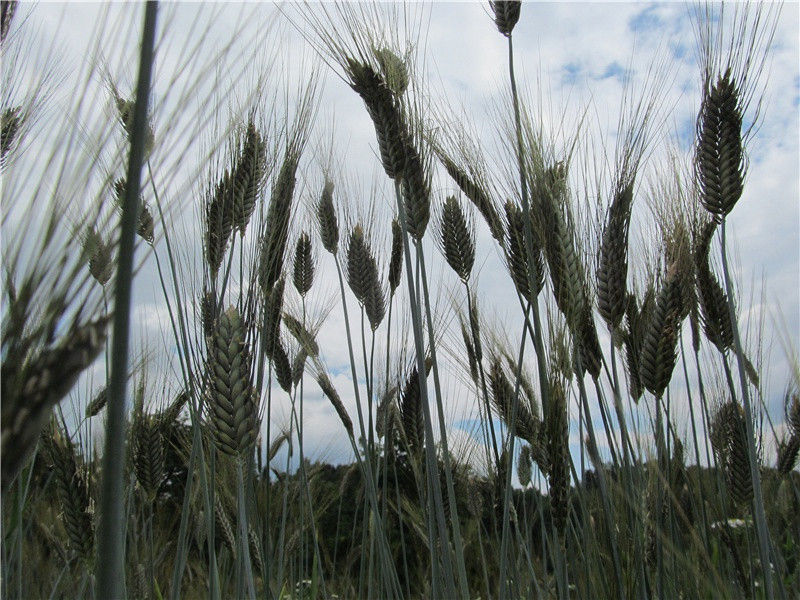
261,339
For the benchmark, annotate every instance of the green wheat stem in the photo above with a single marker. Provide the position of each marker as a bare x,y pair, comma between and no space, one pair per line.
111,562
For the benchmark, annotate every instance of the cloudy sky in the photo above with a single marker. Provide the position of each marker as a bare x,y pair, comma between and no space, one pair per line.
574,61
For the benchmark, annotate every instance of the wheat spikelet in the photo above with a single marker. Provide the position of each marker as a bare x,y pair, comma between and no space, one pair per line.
30,392
411,415
713,302
333,396
232,402
788,450
248,175
299,366
224,526
566,270
96,404
145,226
394,70
327,220
125,113
471,358
476,194
7,10
557,442
719,155
306,338
730,442
525,385
274,243
10,124
612,268
659,344
457,238
208,312
506,14
793,413
637,319
395,257
303,272
219,220
386,114
475,328
73,491
272,311
524,466
517,254
527,426
362,276
171,413
99,254
416,188
147,445
283,367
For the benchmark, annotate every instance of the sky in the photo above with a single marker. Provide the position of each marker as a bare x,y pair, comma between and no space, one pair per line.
575,63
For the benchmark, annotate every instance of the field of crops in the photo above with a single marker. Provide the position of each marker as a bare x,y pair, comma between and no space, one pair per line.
514,363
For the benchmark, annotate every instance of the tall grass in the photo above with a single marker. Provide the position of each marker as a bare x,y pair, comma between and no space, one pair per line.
540,453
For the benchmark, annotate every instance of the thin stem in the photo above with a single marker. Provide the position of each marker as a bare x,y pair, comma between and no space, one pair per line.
110,552
764,542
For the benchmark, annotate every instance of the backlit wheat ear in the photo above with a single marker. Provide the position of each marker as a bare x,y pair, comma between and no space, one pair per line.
728,429
788,449
557,443
303,271
363,278
719,155
566,269
248,176
527,426
416,187
395,257
476,194
96,404
333,396
6,16
306,338
472,361
219,209
636,318
283,367
793,413
30,393
506,15
273,310
125,110
99,255
147,445
10,124
517,254
326,219
714,311
411,415
612,268
145,227
457,238
169,416
524,466
659,345
394,70
209,308
73,491
386,113
232,402
273,245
